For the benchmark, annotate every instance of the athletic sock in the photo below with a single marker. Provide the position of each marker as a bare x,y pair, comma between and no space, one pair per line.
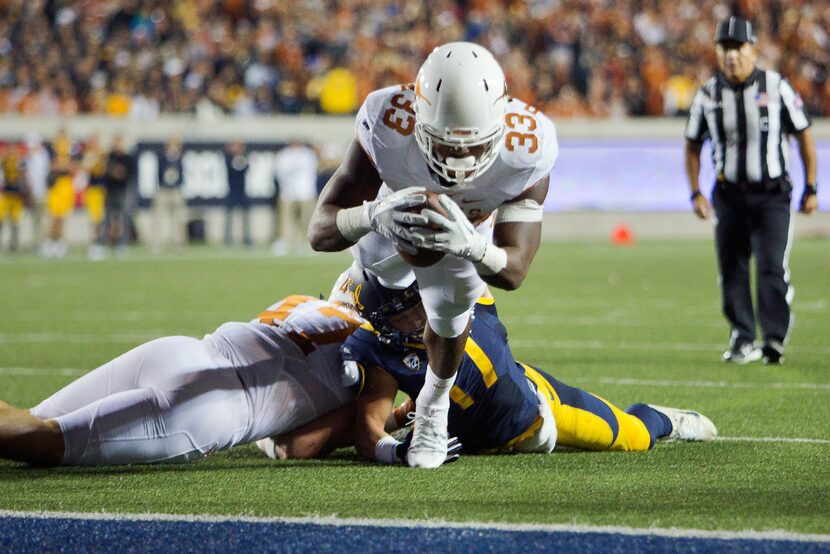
657,424
436,392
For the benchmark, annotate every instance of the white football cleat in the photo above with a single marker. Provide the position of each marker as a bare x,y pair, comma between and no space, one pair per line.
688,425
429,439
744,354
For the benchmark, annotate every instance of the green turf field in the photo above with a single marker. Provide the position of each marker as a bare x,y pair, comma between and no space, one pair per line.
638,323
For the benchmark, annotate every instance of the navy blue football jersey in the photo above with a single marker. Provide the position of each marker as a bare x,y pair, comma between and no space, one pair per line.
492,402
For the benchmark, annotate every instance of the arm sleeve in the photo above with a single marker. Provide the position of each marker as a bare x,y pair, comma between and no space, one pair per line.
793,115
696,127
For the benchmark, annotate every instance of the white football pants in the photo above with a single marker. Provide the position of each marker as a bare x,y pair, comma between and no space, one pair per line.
179,398
171,399
449,289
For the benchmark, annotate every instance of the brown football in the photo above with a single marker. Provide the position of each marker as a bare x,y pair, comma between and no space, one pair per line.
424,257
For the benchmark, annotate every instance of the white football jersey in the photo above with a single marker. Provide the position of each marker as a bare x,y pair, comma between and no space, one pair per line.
289,360
386,132
179,398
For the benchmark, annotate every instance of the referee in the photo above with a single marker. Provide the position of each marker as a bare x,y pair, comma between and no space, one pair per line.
748,115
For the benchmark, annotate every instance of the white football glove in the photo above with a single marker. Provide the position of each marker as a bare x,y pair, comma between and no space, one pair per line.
381,214
456,235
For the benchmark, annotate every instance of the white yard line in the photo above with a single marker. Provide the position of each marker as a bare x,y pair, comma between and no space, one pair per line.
30,371
141,255
774,439
707,384
628,345
410,523
80,338
72,372
603,380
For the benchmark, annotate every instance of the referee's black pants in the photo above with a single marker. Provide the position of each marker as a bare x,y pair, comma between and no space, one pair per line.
754,223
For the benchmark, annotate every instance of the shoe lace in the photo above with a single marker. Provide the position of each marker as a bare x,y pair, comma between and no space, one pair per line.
431,434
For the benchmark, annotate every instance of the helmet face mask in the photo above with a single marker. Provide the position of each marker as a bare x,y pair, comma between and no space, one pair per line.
460,103
475,156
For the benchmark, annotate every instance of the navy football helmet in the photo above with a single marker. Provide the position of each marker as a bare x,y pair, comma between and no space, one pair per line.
377,303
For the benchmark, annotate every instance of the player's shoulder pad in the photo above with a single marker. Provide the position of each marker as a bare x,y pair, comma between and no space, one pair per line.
529,139
386,119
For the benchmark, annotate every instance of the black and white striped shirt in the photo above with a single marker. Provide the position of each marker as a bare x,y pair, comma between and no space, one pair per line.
748,124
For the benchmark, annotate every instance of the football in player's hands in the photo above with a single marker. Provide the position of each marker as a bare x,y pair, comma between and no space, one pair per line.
424,257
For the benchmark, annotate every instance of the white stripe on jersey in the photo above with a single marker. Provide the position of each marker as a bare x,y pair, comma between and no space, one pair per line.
774,112
730,121
696,119
754,171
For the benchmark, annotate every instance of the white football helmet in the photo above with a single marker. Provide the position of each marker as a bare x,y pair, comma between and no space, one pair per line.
460,101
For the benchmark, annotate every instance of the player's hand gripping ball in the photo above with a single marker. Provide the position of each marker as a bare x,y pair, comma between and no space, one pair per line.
412,220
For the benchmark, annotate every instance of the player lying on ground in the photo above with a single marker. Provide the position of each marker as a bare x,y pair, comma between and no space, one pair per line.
498,404
180,398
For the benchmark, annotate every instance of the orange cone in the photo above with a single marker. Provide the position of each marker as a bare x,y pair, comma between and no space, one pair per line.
622,235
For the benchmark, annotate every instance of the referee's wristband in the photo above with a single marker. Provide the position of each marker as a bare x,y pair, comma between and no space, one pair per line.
694,195
810,189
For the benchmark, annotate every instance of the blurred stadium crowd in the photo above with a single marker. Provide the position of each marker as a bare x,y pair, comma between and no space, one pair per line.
596,58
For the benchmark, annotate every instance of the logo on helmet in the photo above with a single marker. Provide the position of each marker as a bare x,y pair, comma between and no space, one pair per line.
420,95
412,361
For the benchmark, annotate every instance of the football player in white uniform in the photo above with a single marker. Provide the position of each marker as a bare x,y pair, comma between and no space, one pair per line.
455,131
175,399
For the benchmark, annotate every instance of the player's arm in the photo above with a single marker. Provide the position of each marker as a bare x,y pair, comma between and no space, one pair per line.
518,232
354,181
314,439
347,207
503,263
373,407
375,417
700,203
807,149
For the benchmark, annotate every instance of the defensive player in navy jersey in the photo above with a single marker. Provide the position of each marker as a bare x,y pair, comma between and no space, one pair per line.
498,404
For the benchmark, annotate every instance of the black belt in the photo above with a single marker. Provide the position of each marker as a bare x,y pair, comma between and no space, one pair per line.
777,184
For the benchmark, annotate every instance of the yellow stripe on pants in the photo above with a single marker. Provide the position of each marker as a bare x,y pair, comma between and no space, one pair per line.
586,430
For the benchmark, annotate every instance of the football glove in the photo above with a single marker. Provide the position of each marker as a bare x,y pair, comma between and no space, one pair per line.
453,234
381,215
